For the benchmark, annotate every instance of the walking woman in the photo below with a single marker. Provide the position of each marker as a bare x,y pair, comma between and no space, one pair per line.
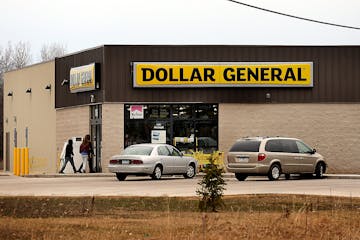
86,152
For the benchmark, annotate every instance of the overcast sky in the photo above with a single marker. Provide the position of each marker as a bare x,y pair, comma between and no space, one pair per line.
80,24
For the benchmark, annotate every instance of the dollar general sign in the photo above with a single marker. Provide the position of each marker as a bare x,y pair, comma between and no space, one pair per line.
222,74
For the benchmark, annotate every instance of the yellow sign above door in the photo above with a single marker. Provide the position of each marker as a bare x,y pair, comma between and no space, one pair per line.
82,78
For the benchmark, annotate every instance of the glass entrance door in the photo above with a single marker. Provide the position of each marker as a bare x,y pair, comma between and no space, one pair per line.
95,128
7,164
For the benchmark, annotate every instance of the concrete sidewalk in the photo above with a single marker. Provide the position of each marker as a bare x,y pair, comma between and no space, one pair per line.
199,175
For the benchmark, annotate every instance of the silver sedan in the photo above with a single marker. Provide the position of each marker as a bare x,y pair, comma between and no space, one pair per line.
152,159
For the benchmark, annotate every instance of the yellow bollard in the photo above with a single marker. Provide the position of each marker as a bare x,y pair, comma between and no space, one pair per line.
26,161
15,162
18,161
22,169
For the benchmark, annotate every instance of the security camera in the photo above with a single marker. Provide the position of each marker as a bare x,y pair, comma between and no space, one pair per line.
65,81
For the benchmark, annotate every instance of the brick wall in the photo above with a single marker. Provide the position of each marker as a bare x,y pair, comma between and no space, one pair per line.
112,132
71,122
333,129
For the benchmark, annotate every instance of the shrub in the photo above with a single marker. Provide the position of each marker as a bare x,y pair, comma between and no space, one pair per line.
212,186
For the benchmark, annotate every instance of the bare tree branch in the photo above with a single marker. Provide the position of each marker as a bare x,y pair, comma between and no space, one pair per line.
6,63
50,52
22,55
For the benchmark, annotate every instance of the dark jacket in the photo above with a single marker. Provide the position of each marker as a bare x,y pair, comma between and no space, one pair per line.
69,151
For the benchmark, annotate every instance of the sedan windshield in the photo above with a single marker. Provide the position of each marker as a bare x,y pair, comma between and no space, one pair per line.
138,150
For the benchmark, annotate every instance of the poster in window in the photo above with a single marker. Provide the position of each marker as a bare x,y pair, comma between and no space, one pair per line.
158,136
136,112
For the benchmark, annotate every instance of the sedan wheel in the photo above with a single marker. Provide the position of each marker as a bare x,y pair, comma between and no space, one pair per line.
190,172
157,173
121,176
274,172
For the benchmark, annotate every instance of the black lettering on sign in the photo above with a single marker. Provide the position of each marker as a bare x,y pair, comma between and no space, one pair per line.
147,74
161,74
264,74
171,76
240,72
300,77
254,75
276,74
182,78
289,75
231,76
195,75
209,74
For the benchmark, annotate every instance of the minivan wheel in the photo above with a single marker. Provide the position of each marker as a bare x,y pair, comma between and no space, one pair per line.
157,173
240,177
320,170
274,172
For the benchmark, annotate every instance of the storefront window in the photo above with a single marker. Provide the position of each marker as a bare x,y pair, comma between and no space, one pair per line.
138,131
207,135
156,111
206,111
153,111
184,135
191,127
164,111
182,111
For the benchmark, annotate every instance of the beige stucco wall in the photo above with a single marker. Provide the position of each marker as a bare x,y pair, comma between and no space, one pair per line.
70,122
113,132
333,129
35,111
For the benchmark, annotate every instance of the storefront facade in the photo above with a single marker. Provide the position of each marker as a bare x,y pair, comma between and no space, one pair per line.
203,98
172,94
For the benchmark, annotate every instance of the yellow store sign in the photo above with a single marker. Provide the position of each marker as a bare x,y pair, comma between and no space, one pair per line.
82,78
223,74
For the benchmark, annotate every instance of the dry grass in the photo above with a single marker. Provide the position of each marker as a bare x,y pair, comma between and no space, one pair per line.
245,217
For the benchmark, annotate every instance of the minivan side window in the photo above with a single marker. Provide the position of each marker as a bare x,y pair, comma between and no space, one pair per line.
289,146
245,146
273,146
303,148
281,145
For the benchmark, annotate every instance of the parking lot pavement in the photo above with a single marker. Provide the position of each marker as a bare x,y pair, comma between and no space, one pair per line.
199,175
108,185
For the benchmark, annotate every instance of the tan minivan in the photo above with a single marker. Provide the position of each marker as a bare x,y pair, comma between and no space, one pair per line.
273,156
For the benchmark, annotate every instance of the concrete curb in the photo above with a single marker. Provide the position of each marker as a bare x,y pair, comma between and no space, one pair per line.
342,176
5,174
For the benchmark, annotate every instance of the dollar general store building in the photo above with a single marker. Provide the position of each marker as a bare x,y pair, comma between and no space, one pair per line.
196,97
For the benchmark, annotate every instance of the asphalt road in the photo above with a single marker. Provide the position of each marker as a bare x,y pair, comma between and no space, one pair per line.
169,186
